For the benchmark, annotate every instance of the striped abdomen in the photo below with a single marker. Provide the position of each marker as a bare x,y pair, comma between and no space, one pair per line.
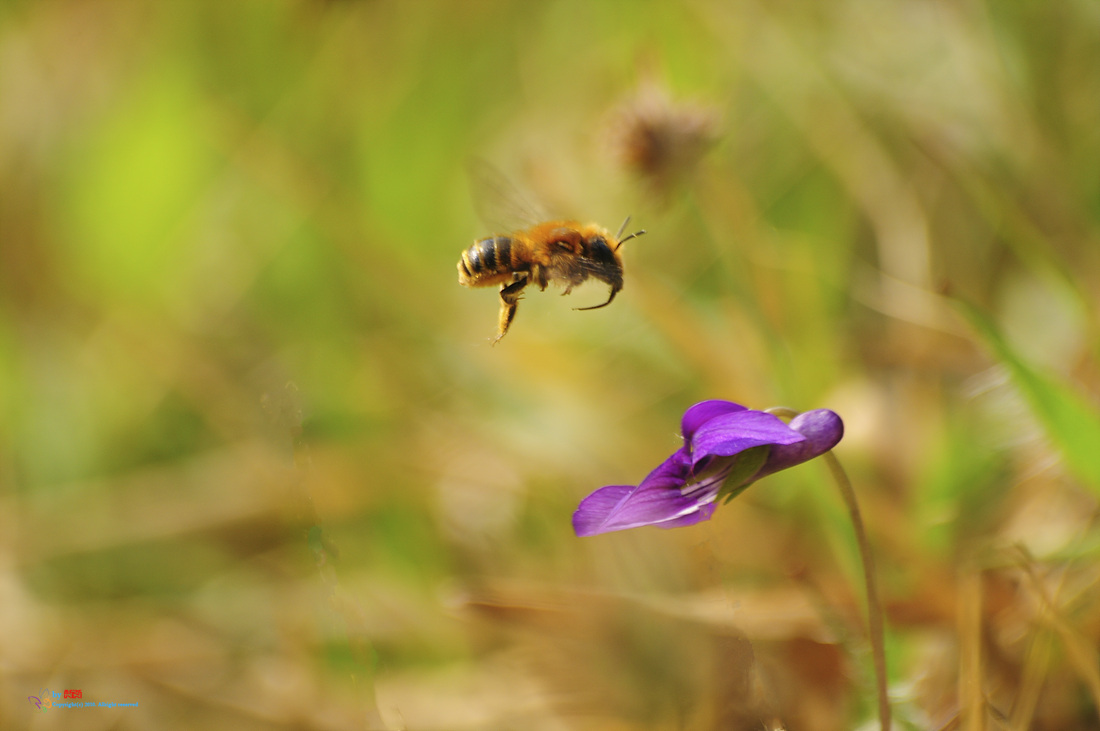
486,262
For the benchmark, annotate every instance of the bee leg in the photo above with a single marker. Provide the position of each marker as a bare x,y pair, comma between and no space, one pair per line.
509,301
540,277
614,291
568,289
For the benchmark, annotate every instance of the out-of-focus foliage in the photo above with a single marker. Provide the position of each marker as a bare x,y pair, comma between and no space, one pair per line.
260,468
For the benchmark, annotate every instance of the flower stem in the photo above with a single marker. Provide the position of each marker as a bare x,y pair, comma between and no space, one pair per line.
874,607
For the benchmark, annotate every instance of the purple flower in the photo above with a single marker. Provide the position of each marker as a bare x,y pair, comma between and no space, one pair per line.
726,448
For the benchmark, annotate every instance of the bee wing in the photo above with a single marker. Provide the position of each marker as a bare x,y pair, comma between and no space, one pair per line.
497,201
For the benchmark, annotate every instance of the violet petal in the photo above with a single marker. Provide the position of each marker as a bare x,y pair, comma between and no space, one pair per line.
672,473
592,515
703,412
618,507
731,433
704,512
821,429
656,501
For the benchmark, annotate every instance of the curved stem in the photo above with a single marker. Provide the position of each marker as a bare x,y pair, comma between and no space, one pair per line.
874,607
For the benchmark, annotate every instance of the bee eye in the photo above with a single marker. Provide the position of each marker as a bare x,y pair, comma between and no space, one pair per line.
564,245
598,249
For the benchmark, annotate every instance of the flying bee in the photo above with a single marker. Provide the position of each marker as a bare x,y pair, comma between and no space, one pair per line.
558,252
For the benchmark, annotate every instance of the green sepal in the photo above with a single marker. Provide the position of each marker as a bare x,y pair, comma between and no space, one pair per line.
745,466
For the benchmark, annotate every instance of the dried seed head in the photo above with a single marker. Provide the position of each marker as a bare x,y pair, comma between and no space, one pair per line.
658,140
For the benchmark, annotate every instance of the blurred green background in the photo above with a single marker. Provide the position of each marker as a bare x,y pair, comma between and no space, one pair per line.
260,467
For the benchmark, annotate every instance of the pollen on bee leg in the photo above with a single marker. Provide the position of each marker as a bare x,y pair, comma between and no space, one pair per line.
511,293
507,314
509,301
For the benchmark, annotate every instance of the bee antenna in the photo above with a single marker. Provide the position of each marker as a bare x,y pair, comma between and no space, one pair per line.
618,235
634,235
622,228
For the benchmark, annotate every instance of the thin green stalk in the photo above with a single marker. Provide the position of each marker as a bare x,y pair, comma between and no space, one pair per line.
874,606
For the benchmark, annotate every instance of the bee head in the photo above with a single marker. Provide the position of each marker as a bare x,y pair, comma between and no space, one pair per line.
604,261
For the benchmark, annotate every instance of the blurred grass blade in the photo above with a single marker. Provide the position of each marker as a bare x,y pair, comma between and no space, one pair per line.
1069,421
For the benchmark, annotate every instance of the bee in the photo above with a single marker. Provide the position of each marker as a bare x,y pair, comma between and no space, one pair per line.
553,252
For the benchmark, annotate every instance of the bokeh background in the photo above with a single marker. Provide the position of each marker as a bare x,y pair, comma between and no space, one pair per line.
261,469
